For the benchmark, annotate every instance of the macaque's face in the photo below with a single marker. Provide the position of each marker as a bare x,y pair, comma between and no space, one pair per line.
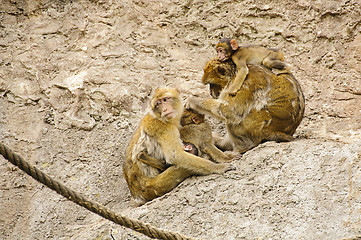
165,107
166,104
190,148
223,54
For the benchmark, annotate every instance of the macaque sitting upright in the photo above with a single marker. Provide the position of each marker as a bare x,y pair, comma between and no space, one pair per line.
155,161
242,55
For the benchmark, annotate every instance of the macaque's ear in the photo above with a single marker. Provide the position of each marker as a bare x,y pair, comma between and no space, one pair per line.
196,120
234,44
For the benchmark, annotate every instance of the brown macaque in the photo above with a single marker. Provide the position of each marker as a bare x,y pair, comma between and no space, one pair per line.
197,131
157,144
267,107
242,55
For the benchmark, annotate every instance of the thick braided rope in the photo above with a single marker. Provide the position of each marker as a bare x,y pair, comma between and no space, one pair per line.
38,175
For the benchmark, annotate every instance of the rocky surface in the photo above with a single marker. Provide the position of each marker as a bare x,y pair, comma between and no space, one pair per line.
75,80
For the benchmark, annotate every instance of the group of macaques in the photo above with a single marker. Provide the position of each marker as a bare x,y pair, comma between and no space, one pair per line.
256,105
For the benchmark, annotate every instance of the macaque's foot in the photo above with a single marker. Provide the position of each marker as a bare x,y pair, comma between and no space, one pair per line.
232,155
230,167
279,72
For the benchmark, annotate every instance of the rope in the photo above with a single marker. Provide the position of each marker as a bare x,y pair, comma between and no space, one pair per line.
94,207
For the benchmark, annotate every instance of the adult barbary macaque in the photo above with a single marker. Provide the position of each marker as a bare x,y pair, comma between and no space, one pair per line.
197,134
267,107
228,48
157,139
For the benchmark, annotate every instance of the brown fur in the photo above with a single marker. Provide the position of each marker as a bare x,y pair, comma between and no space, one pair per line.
197,131
267,106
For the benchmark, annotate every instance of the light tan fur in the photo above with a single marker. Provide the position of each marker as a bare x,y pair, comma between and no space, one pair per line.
158,138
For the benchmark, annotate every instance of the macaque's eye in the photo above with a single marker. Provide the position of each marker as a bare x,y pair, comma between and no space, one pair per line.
166,99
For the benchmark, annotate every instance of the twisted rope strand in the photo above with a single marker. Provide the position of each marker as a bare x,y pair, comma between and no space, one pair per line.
77,198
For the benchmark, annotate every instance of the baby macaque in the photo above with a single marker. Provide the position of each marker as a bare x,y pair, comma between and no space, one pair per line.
196,134
242,55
